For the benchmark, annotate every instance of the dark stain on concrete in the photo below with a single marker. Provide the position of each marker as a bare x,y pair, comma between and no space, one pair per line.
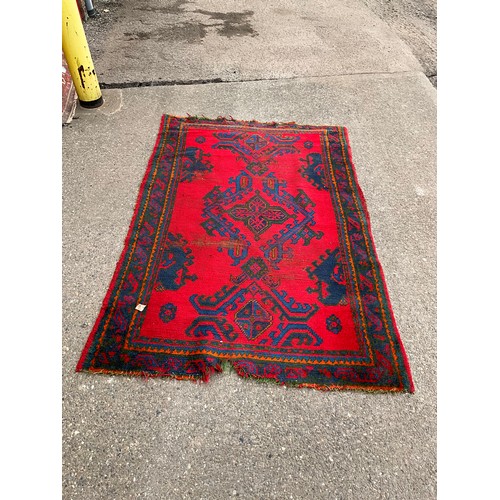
177,7
233,23
181,27
182,32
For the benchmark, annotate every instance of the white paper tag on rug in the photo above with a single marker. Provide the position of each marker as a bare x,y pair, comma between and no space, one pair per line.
140,307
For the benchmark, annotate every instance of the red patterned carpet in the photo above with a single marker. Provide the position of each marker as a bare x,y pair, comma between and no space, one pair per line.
250,244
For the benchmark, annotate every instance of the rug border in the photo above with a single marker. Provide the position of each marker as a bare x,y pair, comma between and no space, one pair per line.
380,267
105,302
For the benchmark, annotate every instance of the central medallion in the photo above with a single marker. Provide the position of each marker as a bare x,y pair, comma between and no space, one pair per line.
258,215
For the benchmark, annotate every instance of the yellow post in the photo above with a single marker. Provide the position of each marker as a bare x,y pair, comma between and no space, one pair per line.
78,56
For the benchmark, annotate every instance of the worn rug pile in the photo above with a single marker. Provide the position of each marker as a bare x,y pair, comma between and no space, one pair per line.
250,245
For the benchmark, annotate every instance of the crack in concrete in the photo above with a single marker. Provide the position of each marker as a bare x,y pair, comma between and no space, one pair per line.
158,83
170,83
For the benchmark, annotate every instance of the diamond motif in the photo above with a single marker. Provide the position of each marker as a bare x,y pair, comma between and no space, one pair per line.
255,268
256,142
257,168
253,319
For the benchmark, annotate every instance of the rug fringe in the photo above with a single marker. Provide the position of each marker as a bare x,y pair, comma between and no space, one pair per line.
240,370
229,119
227,365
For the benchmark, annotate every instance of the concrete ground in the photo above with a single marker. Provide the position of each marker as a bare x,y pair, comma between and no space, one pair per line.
414,21
317,62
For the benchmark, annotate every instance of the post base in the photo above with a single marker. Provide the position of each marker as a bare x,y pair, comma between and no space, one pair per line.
91,104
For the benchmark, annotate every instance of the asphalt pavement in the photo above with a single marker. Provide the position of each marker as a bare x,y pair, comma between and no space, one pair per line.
317,62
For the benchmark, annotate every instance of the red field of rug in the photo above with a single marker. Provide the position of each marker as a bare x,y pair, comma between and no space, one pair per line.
250,245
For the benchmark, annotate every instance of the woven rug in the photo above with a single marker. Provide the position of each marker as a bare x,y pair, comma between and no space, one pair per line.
250,246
